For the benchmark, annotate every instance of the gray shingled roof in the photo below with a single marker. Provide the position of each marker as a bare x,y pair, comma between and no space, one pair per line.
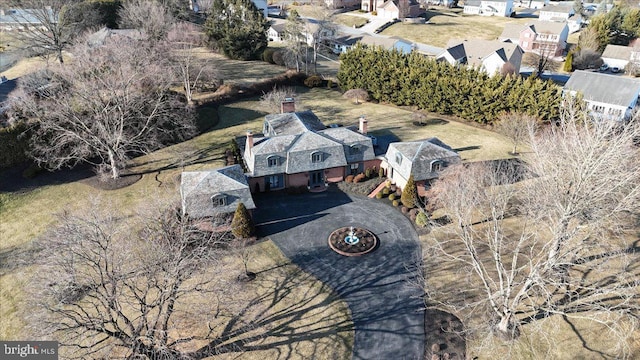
299,155
198,187
476,50
291,123
363,148
457,52
417,157
617,52
610,89
558,8
511,31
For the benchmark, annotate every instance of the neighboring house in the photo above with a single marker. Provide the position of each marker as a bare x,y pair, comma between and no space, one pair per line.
532,4
20,19
339,4
399,9
276,32
489,7
575,23
297,150
422,159
558,13
620,56
207,194
607,96
491,56
388,43
342,43
542,37
203,6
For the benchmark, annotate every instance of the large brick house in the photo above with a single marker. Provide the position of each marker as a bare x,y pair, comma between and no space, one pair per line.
296,149
542,37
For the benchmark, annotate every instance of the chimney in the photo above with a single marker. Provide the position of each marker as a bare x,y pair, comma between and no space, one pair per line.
249,143
288,105
363,125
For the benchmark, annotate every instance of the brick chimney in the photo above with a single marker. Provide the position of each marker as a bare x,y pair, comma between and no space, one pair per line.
362,127
249,143
288,105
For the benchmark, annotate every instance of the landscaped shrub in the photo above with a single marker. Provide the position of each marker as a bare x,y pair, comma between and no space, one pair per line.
395,203
422,219
278,57
13,145
349,178
413,212
409,193
267,55
358,178
393,187
385,191
392,197
242,225
379,195
404,209
367,173
313,81
329,84
381,172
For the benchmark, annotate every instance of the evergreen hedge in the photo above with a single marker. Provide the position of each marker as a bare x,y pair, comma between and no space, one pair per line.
415,80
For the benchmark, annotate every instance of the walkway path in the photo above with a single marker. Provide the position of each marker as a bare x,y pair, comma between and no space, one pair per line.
380,288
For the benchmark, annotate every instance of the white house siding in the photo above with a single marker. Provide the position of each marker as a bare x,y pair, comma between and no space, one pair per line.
473,10
492,64
606,111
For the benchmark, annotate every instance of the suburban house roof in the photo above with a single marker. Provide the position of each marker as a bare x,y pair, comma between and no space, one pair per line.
299,142
348,40
278,27
604,88
382,41
420,156
476,50
617,52
565,9
291,123
198,190
512,31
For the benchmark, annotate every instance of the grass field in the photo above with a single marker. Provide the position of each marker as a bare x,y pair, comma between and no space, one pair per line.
444,25
350,20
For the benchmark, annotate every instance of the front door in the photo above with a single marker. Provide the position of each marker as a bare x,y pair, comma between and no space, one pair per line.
316,178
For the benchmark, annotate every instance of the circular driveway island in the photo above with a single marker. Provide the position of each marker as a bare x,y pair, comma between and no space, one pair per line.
381,288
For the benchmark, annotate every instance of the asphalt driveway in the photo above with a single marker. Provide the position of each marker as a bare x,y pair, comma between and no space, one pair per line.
380,288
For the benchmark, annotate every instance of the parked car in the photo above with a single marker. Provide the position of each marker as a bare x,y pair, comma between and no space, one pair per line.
615,69
604,67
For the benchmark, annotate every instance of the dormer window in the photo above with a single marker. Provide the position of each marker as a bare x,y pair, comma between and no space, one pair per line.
272,161
436,165
354,149
219,200
398,158
316,157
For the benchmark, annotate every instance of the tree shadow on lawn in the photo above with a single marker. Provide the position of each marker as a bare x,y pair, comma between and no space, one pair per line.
265,324
12,179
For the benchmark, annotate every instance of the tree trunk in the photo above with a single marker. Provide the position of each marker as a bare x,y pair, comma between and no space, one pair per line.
114,168
506,327
59,56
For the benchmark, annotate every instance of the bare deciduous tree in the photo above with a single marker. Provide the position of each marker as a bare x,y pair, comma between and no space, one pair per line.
356,95
272,101
530,248
322,29
516,127
540,62
110,103
146,15
51,34
183,43
294,41
108,291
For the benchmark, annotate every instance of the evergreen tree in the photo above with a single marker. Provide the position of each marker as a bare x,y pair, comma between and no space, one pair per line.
242,225
237,28
409,193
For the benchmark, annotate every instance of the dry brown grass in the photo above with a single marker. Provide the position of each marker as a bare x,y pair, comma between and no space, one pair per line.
350,20
445,25
555,337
